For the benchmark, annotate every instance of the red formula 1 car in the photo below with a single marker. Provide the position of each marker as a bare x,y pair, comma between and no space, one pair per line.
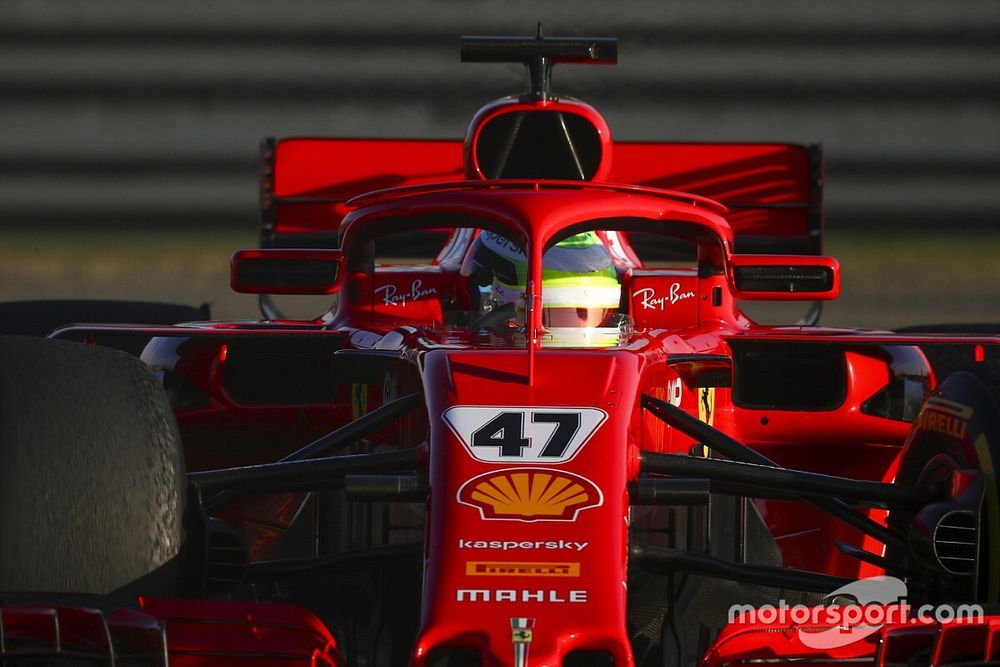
555,440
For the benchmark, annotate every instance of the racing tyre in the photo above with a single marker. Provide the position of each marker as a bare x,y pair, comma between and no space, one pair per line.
91,472
953,449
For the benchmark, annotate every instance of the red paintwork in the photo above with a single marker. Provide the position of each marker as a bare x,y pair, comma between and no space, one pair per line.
584,611
192,633
523,538
733,174
313,177
207,632
473,610
330,171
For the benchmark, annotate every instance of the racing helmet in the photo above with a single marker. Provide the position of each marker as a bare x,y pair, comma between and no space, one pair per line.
580,286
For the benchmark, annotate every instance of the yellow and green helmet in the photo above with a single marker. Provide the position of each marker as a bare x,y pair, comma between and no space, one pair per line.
580,286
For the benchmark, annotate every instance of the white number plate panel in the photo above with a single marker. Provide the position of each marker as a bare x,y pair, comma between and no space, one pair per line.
498,434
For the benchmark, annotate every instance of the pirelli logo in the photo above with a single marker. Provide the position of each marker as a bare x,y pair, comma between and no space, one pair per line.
482,568
944,416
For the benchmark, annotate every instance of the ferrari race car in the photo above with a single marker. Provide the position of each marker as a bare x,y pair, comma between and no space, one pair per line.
536,427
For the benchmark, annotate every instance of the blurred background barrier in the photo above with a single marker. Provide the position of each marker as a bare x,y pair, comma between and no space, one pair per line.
127,117
142,112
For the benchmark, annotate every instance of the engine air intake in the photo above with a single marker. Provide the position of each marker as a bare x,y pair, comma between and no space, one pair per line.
539,144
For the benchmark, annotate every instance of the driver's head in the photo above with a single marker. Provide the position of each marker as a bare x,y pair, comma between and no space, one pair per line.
579,283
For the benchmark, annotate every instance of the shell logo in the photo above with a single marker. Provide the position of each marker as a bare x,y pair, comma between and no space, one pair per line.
530,494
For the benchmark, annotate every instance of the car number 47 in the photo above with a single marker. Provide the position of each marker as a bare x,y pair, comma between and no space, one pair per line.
512,434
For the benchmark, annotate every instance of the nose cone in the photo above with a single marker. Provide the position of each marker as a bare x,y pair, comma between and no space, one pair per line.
528,514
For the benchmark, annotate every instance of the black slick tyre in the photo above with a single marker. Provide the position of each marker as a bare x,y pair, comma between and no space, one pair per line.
91,472
957,536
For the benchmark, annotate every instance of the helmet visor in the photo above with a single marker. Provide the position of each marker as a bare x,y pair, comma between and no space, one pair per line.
576,317
579,302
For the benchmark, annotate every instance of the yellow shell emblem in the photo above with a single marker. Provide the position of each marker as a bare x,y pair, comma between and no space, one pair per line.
530,494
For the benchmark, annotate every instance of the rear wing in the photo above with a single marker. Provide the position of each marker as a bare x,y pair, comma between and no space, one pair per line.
774,191
304,182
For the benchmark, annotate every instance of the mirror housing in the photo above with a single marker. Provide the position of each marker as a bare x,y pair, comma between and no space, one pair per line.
784,277
286,271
